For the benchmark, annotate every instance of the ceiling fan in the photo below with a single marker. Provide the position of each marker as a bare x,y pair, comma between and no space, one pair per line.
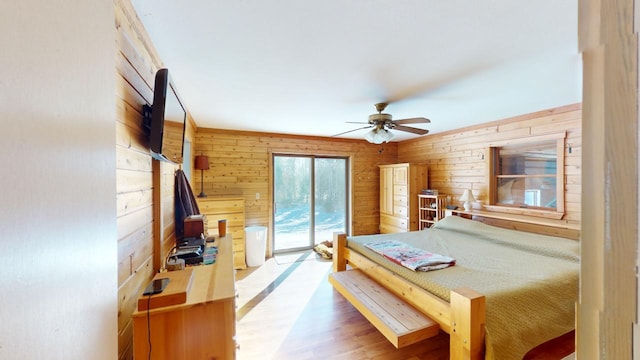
381,123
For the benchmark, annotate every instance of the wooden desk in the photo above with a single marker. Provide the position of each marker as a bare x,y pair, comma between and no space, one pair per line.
539,225
204,326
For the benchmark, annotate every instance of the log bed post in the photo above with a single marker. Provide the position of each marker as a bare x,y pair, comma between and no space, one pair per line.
339,247
467,324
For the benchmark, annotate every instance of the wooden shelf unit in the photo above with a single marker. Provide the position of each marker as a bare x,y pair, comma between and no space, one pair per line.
430,210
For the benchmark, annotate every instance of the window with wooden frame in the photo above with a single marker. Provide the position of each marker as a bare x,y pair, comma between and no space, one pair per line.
526,176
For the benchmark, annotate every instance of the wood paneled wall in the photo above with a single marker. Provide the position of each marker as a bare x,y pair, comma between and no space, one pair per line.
457,158
145,187
240,165
240,162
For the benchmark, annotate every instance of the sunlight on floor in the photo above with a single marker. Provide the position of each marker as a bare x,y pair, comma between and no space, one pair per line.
276,304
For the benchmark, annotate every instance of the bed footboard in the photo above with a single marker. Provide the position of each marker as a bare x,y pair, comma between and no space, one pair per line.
463,318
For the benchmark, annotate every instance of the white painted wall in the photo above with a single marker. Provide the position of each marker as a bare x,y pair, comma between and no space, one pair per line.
58,251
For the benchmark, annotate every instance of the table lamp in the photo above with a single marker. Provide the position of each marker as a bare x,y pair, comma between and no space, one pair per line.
467,197
202,164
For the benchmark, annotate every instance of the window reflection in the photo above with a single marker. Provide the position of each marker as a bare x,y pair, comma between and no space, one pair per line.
526,174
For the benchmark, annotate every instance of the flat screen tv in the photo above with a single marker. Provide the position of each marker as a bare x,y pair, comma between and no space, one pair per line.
167,120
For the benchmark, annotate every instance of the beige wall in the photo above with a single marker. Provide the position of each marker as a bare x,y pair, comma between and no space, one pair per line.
57,206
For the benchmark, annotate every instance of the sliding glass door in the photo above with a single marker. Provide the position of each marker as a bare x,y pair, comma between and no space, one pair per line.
310,200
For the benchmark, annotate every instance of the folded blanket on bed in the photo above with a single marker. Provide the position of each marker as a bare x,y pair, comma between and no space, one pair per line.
410,257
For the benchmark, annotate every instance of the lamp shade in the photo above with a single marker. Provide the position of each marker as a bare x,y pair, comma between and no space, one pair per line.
202,162
378,135
467,195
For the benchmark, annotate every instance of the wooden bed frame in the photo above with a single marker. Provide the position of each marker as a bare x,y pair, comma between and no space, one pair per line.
463,318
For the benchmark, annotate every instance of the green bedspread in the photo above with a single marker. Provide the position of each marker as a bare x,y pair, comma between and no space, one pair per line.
530,281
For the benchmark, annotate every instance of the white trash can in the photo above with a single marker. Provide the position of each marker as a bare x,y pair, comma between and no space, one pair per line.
256,243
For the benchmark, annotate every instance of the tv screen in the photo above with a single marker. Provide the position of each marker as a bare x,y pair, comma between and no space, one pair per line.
168,117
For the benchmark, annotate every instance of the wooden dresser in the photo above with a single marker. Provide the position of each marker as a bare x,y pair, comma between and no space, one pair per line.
204,326
231,209
400,185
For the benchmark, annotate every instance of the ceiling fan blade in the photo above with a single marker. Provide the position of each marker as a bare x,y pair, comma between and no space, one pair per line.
390,92
346,132
417,120
356,122
411,129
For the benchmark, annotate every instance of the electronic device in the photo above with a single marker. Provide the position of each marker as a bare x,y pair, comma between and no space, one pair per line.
191,242
189,258
190,255
156,286
165,120
195,225
194,260
188,252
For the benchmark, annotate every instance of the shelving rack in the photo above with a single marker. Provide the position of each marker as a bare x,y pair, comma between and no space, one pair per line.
430,210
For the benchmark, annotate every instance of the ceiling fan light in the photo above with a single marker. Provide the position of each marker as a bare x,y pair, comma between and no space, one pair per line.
378,136
387,135
371,136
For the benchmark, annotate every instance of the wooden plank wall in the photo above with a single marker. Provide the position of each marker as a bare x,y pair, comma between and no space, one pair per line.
457,158
240,162
139,245
240,165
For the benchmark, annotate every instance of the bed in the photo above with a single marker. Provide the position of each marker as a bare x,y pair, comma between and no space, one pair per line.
508,292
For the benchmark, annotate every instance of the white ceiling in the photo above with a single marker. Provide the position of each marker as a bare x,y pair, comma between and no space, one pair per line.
307,67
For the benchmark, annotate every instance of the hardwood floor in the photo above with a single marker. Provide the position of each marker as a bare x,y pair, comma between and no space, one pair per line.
300,316
290,311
